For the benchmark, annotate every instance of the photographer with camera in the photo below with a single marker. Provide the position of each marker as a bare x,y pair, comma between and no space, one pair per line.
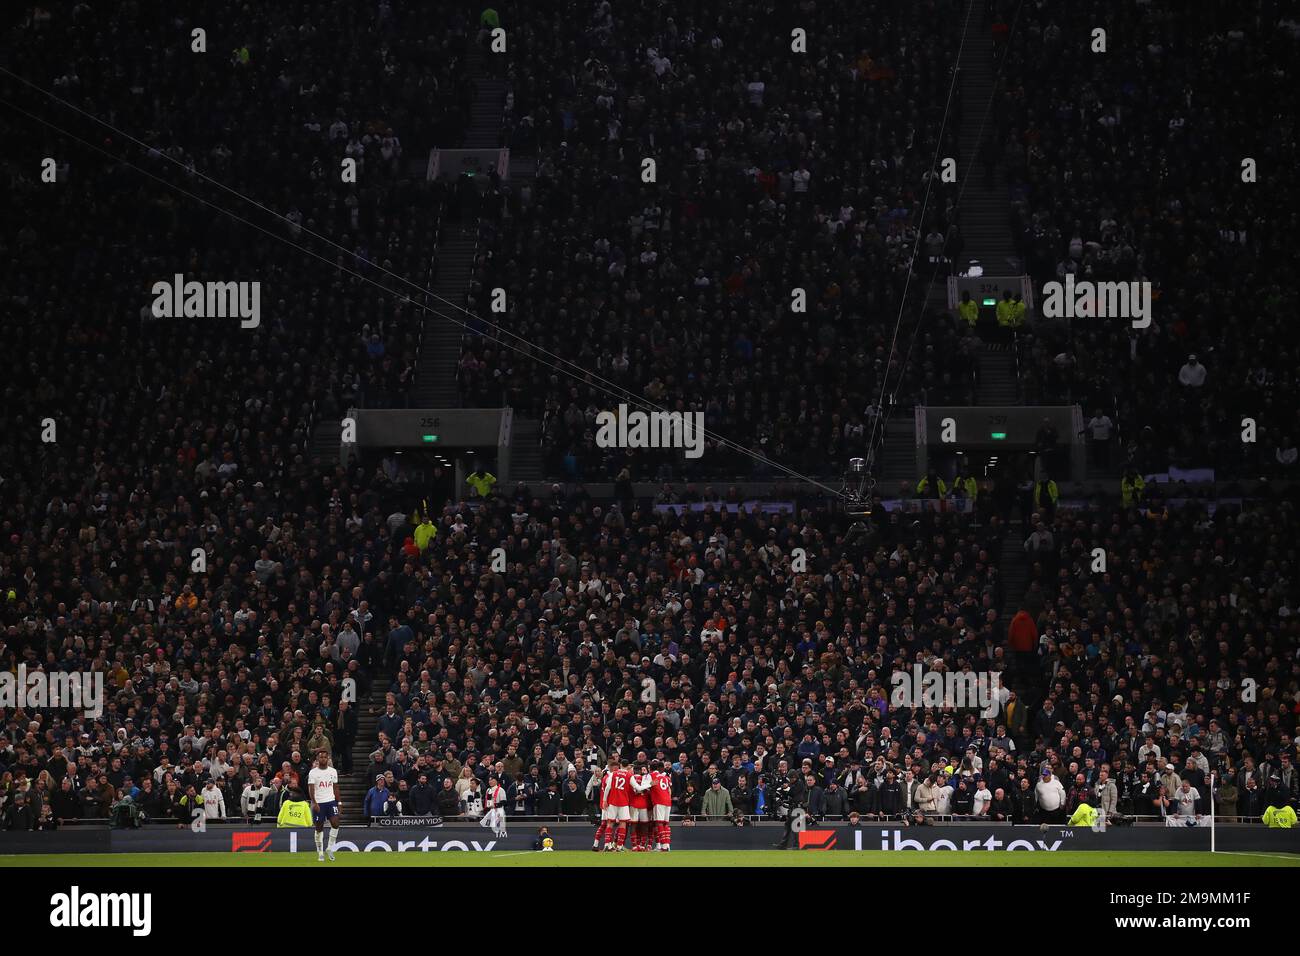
789,797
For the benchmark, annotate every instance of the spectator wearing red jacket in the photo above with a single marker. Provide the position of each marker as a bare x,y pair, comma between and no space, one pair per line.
1022,636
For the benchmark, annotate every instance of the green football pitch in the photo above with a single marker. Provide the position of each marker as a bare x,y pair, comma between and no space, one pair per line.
680,858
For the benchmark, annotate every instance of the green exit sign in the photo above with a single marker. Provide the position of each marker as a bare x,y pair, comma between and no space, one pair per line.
429,438
998,436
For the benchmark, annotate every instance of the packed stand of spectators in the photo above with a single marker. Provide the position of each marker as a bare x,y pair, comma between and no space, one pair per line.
688,639
177,434
1148,661
775,171
273,120
615,628
1127,166
235,674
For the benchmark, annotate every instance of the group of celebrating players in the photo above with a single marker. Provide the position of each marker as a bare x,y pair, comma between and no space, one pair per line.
635,805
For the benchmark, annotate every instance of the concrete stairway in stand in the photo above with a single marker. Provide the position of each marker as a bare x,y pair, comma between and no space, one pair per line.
985,206
353,786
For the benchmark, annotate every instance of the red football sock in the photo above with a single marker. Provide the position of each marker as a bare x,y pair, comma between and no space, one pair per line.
600,832
621,837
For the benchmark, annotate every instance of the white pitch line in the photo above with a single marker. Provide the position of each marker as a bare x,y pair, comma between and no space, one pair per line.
1275,856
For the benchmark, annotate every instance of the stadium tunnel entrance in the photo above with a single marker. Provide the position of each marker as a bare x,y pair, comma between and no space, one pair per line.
428,453
425,477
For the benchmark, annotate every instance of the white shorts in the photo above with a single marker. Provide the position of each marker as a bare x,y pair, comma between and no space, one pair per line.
609,813
662,812
622,814
641,814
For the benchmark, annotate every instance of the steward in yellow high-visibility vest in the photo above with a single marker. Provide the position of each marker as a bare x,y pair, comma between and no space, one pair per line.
1280,818
931,482
1083,816
1018,310
968,310
482,482
1049,486
1006,311
425,532
965,487
294,813
1131,487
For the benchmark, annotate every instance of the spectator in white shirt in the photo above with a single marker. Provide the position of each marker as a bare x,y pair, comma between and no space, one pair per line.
1175,718
217,766
983,797
1099,428
1050,796
1192,374
214,802
1101,425
1041,541
943,799
1185,798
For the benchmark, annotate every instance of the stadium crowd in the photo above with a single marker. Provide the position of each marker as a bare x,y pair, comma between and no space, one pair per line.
267,125
774,171
681,628
1127,166
166,436
685,634
687,637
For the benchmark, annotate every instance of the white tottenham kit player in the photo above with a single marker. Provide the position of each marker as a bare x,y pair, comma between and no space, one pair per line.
494,808
321,781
